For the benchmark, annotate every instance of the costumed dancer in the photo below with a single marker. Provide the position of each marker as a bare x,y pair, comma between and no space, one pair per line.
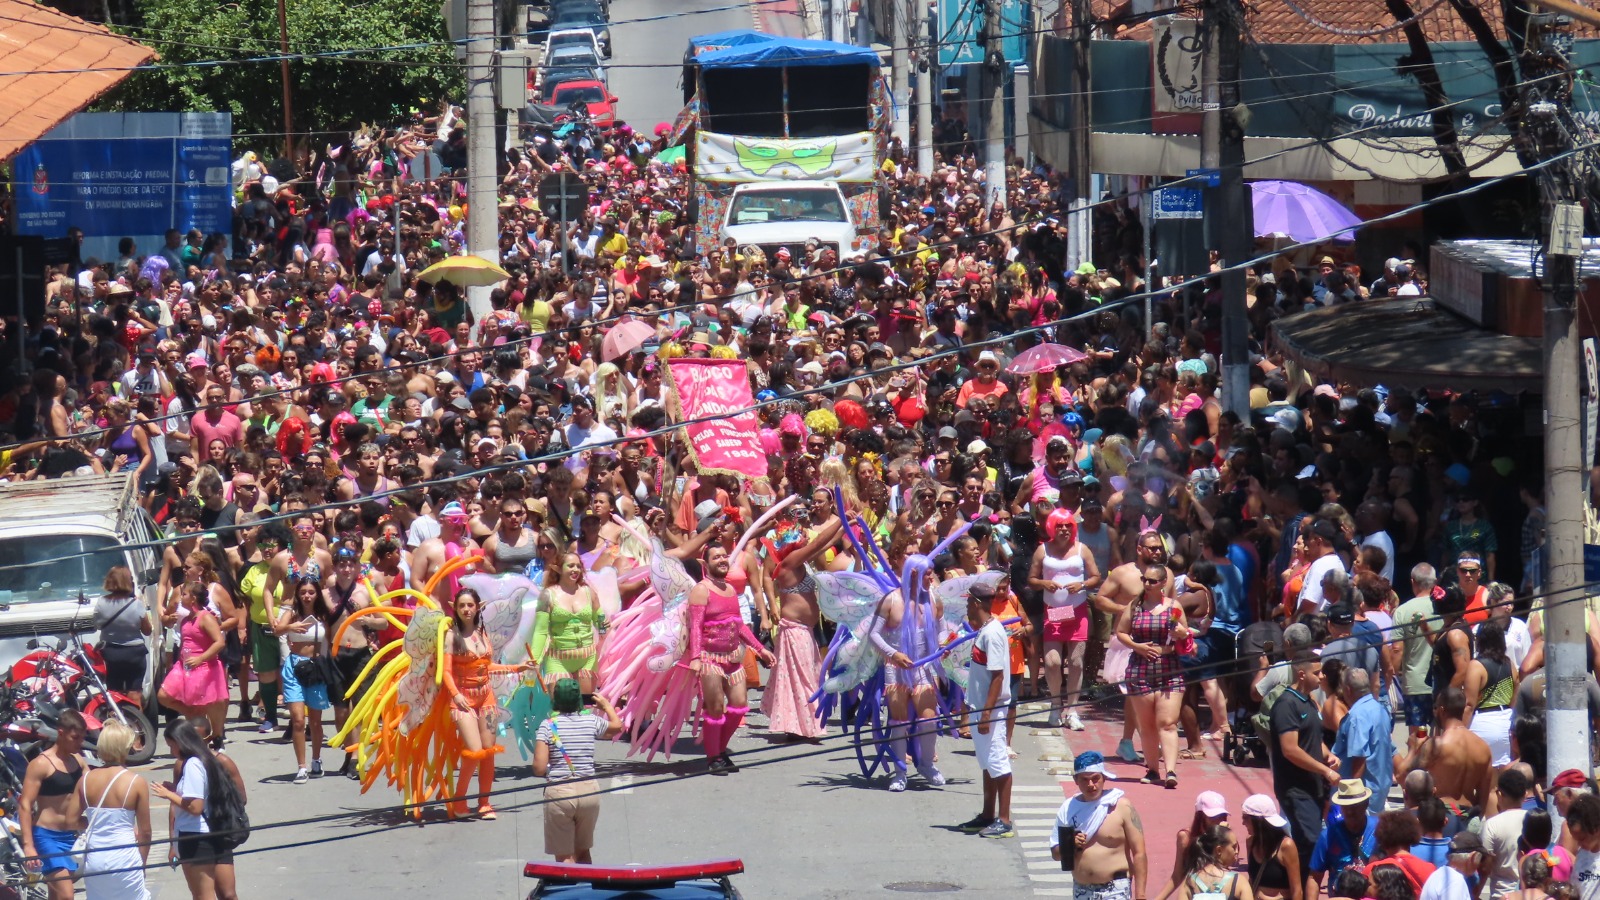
644,657
899,629
718,637
787,701
429,741
569,629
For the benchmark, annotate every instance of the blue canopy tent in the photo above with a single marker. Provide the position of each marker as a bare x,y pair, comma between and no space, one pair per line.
761,85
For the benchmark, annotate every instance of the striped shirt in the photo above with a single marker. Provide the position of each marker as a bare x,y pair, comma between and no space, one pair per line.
571,737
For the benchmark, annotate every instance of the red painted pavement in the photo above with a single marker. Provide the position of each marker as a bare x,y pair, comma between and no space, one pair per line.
1164,811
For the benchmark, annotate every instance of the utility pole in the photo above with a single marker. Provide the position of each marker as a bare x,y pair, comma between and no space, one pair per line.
1080,222
925,63
994,68
1236,224
1546,124
900,61
288,100
482,213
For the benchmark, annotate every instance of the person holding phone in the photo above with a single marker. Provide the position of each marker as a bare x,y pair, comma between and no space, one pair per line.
564,754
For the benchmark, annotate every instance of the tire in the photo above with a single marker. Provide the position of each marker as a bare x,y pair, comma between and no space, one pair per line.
146,740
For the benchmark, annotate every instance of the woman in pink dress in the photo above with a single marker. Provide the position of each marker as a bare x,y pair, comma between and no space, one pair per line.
197,684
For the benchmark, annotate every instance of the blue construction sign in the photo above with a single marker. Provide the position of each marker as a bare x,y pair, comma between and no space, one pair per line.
958,29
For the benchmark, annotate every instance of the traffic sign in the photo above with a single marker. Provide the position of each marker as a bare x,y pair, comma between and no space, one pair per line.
568,185
1213,177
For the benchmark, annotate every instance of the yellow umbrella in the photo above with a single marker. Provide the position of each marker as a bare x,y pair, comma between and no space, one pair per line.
465,271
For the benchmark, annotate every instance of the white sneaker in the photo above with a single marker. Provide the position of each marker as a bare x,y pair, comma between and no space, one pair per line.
1073,722
897,782
1055,719
300,777
931,775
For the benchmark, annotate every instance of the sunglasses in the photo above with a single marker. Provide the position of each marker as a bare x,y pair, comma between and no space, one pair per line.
944,503
1469,571
1153,581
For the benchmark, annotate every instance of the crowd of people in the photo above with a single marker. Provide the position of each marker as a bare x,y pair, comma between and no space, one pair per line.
320,432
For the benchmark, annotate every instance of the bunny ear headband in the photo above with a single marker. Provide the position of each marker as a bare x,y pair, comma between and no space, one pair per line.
1149,524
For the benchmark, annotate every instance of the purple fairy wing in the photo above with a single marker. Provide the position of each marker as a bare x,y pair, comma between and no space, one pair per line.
501,616
847,597
668,577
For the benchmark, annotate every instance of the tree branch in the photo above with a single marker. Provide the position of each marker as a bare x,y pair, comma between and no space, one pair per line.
1419,65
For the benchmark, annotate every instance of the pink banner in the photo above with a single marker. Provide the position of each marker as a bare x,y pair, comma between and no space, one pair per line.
720,388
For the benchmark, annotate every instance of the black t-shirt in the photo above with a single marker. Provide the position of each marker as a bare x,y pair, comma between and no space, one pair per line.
1294,712
219,519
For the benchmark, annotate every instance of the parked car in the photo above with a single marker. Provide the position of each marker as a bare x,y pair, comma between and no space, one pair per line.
563,36
586,18
685,881
553,78
592,94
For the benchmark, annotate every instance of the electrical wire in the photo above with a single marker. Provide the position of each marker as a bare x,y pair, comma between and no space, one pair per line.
1229,669
1001,340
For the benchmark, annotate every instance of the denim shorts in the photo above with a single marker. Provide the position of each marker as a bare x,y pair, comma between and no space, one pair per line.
1419,710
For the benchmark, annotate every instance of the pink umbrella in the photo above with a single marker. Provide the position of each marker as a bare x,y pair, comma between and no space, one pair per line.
625,337
1045,358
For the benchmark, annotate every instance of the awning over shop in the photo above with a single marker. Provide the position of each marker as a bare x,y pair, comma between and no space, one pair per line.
56,65
1408,344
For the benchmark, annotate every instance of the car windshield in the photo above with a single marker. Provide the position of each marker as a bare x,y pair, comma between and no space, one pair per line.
573,54
792,205
586,93
581,39
580,19
61,574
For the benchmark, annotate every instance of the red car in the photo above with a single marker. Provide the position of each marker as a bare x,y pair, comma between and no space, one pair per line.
601,102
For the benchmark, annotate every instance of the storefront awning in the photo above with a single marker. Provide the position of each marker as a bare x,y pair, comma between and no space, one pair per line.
1408,344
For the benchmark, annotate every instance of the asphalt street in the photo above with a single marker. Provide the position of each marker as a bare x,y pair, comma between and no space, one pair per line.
804,821
646,64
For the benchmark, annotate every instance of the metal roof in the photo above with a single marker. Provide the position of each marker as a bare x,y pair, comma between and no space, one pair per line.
105,497
53,65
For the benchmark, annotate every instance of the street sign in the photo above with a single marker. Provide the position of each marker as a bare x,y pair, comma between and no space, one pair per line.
958,29
1179,203
552,188
1212,177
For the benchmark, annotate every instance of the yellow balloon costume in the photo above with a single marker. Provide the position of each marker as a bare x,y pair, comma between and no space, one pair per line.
402,726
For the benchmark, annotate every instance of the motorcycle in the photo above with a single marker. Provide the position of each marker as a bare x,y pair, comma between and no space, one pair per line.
16,882
70,675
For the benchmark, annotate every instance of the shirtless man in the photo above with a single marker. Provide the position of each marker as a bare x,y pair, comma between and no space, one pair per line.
1109,839
1122,586
432,554
1457,759
908,684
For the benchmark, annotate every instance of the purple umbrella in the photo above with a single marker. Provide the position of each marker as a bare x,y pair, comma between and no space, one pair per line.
1300,213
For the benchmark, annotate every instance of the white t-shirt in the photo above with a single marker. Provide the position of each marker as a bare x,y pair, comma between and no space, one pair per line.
1447,884
1500,835
192,785
1586,874
1311,589
991,658
1384,542
1519,640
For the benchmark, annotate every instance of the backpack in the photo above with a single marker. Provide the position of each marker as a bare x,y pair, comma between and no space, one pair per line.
1263,718
225,812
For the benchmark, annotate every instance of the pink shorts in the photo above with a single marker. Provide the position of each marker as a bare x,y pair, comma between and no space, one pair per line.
1066,623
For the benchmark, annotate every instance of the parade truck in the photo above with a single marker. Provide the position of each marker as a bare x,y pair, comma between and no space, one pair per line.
785,141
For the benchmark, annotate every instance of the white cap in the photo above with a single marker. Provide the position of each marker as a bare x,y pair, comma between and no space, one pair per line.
976,447
445,378
988,356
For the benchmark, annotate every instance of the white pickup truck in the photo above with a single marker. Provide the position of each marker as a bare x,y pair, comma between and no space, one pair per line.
786,214
58,538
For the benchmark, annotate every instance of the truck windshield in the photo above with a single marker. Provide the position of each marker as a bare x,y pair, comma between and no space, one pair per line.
792,205
55,578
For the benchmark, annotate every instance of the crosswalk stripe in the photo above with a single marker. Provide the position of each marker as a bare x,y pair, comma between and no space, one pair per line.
1053,892
1050,876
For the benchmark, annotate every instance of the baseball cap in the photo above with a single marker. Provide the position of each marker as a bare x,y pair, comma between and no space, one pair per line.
948,432
1341,614
706,513
988,356
1211,803
453,510
976,447
1570,778
981,590
1466,842
1264,807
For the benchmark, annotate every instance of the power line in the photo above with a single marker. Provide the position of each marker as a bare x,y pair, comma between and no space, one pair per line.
1238,668
557,456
